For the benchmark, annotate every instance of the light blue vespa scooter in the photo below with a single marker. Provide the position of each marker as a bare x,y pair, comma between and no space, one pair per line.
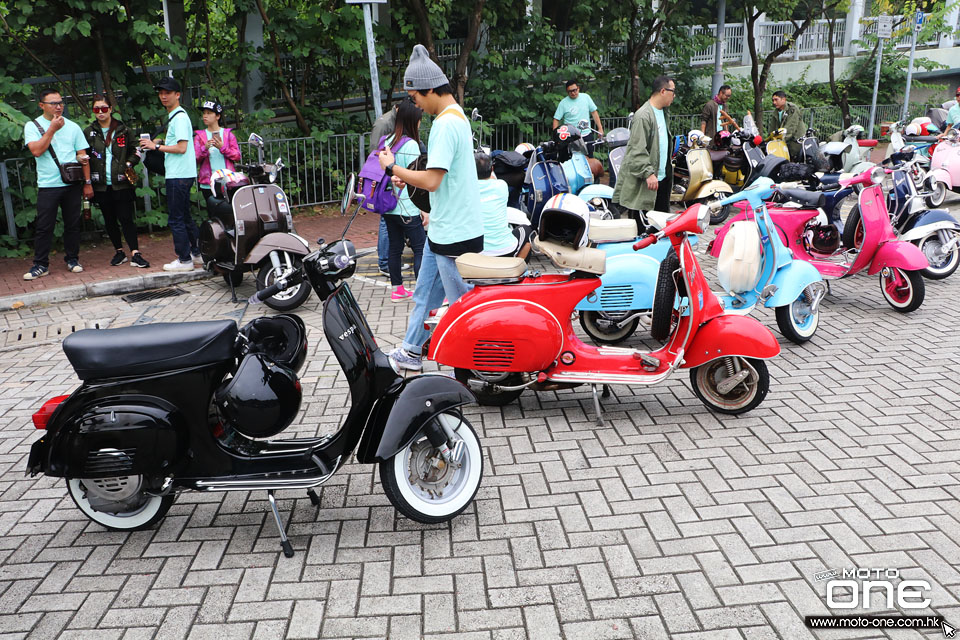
758,268
580,177
611,313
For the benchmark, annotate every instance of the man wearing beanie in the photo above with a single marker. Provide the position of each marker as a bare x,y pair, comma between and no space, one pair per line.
451,179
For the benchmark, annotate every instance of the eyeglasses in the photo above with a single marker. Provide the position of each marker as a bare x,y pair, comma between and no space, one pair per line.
671,90
54,104
572,90
101,109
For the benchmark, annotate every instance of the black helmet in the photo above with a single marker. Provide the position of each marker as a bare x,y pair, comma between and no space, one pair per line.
261,399
282,338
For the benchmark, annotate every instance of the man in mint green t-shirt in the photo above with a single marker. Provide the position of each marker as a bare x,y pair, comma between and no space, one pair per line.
63,138
180,170
576,108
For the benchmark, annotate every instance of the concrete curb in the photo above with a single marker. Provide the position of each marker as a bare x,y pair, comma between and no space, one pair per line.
104,288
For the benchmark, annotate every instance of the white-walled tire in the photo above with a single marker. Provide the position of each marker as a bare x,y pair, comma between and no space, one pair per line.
425,494
147,511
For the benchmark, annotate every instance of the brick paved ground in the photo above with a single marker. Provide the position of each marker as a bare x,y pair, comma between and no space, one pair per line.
669,522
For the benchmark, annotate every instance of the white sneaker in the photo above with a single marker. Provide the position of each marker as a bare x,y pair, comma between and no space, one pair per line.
176,265
198,259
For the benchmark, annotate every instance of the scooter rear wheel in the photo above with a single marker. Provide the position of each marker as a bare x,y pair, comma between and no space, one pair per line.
289,299
421,486
941,265
903,290
745,396
600,326
488,396
134,509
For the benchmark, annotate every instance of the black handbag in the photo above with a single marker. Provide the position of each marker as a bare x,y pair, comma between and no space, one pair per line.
419,197
70,172
153,160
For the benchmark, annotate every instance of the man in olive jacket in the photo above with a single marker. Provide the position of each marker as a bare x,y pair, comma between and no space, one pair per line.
788,117
646,175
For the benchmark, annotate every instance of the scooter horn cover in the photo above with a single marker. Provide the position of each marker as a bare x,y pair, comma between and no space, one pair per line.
565,219
261,399
282,338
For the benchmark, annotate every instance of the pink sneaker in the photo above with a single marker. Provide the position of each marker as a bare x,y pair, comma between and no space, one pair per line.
400,294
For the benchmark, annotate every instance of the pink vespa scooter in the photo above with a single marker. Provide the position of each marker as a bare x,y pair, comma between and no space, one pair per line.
944,174
877,248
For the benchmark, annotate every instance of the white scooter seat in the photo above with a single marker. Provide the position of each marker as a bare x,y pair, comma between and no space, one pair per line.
660,219
473,266
612,230
741,257
587,259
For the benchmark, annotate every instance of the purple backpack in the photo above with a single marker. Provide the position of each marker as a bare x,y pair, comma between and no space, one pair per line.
374,184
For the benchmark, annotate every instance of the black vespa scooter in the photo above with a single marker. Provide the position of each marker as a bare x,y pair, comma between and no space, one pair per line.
169,407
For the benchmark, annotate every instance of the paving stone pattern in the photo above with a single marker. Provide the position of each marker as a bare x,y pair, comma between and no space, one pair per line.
670,522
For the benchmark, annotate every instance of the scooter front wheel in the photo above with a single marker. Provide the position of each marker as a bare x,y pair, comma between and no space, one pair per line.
602,326
423,486
710,382
119,504
903,290
285,300
796,321
937,195
941,265
721,215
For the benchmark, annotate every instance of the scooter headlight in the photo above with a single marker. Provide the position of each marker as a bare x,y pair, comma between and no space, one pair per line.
877,174
952,135
703,218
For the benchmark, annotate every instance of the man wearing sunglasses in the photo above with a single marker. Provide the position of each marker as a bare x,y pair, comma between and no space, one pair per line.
64,138
578,107
646,175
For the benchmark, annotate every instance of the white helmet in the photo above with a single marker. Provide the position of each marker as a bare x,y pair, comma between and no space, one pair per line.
912,130
565,219
523,147
696,138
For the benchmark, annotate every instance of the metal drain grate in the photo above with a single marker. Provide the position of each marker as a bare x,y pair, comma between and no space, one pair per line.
156,294
30,336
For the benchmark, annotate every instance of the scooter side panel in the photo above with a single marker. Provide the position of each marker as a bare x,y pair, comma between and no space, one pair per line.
596,191
942,175
627,285
730,335
790,281
711,188
898,254
399,416
276,242
940,217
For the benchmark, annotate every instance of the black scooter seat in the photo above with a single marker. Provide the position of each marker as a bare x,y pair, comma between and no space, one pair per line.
147,349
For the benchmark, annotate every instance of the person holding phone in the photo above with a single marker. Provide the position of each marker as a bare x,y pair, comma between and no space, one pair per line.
112,157
216,148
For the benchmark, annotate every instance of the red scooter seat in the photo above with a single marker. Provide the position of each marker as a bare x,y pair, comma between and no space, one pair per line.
867,143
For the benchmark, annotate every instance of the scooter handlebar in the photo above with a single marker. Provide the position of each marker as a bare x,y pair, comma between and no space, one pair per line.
268,292
643,243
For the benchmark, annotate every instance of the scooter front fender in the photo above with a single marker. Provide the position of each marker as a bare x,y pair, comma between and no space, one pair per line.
929,222
898,253
941,175
790,281
277,242
730,335
711,188
627,285
400,415
592,191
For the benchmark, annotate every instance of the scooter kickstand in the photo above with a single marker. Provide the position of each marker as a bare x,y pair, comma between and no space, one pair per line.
233,292
596,406
606,391
314,498
284,541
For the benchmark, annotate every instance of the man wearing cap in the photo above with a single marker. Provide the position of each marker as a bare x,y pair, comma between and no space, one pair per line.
455,223
214,146
180,170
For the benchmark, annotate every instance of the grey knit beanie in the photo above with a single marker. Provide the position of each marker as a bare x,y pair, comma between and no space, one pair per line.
423,73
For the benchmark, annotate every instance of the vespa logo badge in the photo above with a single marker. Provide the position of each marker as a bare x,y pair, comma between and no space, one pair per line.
349,332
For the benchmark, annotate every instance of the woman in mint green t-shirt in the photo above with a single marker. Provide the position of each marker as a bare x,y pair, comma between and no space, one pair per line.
404,221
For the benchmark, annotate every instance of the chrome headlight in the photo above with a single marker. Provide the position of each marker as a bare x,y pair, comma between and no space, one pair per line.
877,174
703,218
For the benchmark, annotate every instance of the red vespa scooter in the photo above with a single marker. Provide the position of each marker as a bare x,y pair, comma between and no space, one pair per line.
513,331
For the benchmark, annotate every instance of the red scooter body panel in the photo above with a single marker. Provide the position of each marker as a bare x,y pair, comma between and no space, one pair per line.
514,327
713,340
898,253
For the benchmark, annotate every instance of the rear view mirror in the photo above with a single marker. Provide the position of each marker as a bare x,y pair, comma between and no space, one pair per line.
583,125
475,115
348,193
255,139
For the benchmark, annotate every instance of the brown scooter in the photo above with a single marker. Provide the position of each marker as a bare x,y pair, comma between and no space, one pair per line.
250,228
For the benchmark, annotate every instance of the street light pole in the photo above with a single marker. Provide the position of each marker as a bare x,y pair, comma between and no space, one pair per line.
918,22
720,37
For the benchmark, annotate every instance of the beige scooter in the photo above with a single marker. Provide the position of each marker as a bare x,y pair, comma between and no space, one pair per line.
693,179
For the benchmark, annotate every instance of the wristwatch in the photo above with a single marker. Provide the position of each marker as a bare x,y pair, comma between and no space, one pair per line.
88,181
157,148
389,169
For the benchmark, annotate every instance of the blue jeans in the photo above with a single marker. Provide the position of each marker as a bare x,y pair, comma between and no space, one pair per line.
184,229
383,246
438,278
399,229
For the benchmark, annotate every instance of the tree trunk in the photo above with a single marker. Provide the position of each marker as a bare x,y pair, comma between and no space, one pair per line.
105,69
424,31
461,73
301,121
839,96
242,42
143,63
759,76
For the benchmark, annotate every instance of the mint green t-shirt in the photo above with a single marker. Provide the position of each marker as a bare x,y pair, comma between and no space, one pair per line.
217,161
108,157
664,146
404,156
454,214
66,142
571,112
497,237
179,165
953,116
